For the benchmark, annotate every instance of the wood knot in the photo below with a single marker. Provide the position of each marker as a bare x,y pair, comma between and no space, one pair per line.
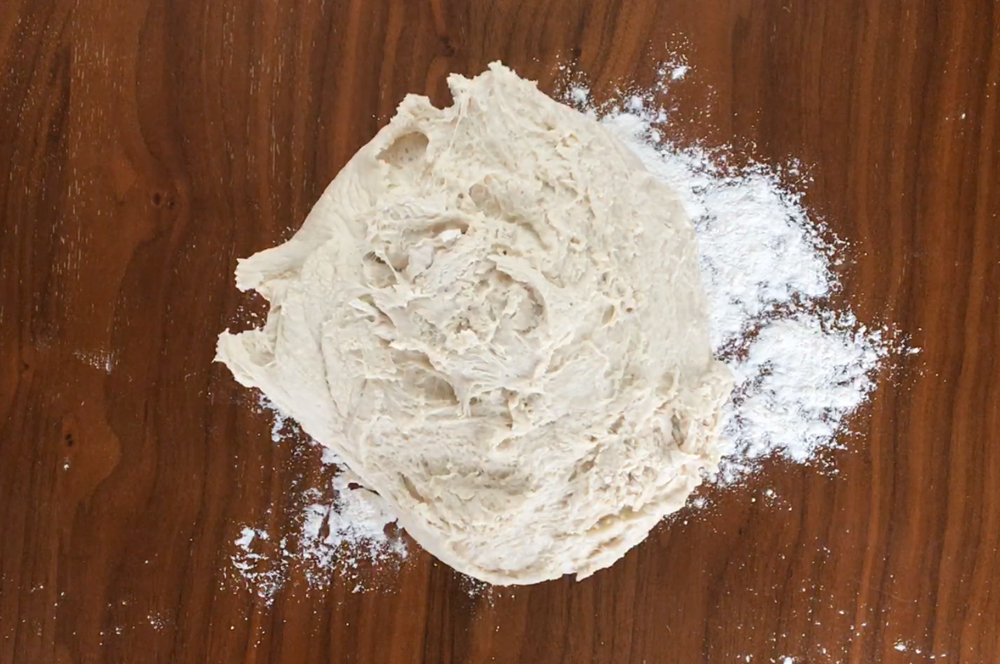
163,200
447,48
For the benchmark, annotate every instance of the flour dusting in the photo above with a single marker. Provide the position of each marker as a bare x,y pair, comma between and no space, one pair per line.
350,531
258,564
338,532
98,360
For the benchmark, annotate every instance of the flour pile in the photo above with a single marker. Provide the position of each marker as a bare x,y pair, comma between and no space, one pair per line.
801,367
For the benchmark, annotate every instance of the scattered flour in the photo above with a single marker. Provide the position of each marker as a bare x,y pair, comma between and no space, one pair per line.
257,564
98,359
351,530
344,536
674,69
802,365
280,424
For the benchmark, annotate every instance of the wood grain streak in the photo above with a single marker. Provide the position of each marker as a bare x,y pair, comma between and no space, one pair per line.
147,144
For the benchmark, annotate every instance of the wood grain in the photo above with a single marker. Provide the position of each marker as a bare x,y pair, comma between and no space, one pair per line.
146,144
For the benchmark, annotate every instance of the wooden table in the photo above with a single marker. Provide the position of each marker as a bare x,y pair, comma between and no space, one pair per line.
145,145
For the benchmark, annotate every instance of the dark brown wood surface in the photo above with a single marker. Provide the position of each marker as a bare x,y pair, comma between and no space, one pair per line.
145,145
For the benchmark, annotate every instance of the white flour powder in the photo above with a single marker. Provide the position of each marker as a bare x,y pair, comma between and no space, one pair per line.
802,367
343,536
351,530
257,563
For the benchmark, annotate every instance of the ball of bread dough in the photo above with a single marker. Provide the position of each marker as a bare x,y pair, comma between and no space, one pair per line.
494,314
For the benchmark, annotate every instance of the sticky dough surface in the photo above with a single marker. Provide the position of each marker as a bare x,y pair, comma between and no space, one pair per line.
494,315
